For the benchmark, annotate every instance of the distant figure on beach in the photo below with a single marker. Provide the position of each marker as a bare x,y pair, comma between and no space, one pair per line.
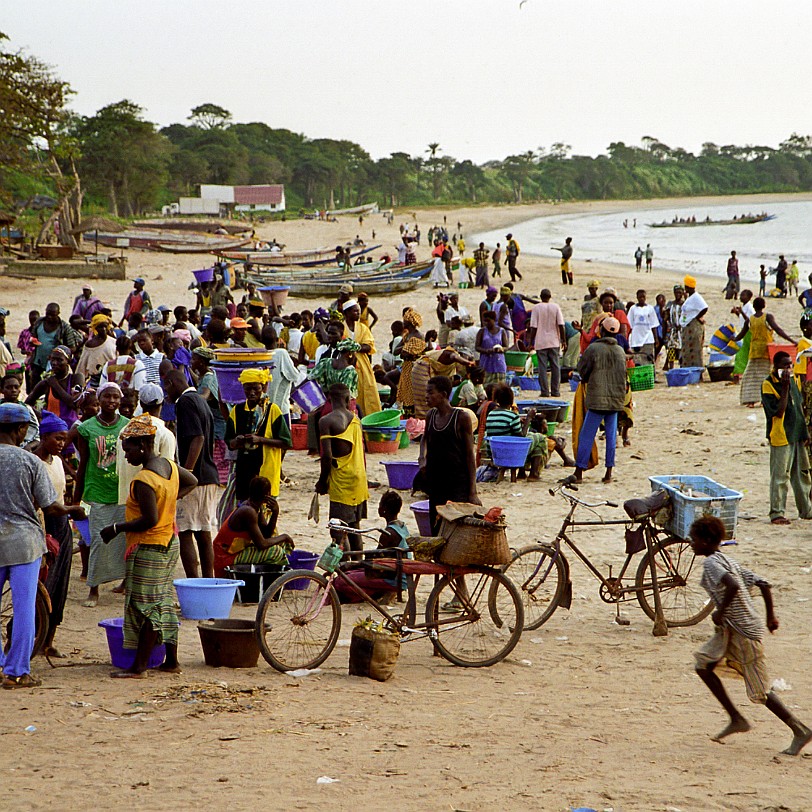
732,287
793,274
781,275
638,259
566,255
512,254
496,258
762,281
649,257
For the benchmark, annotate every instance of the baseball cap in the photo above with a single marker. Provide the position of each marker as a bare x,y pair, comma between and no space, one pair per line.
139,281
150,393
611,325
239,324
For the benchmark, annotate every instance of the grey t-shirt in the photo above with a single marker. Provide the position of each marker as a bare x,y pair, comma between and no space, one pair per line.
24,487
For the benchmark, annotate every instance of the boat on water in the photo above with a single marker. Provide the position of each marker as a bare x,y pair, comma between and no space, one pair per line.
313,256
691,222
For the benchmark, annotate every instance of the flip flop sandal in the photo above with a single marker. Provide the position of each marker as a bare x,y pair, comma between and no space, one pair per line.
23,681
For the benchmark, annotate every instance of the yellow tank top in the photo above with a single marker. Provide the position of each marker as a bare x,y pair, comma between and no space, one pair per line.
166,494
348,476
760,336
310,342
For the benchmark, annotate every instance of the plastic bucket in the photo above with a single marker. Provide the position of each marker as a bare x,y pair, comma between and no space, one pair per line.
205,598
790,349
274,294
575,381
83,526
509,452
421,516
405,440
298,433
301,560
515,359
229,643
551,427
257,578
683,376
401,474
386,418
124,658
228,378
204,275
308,396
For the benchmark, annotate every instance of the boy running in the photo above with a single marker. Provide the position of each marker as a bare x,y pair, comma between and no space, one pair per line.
738,634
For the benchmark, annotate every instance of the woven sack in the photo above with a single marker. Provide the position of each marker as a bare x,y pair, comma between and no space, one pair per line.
474,541
373,654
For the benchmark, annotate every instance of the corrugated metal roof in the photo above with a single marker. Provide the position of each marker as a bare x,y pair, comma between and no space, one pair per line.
258,194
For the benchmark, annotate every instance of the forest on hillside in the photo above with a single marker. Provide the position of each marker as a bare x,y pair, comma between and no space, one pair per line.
117,161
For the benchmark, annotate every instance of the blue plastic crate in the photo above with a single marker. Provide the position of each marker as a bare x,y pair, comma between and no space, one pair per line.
708,498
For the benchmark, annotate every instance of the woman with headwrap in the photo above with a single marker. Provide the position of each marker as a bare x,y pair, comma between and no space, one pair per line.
435,362
98,350
152,548
338,368
257,431
53,437
369,400
692,323
61,388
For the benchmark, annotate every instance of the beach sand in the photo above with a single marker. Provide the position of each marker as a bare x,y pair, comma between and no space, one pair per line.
583,713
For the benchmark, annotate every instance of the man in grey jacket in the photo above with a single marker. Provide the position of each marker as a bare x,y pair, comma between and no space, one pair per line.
603,369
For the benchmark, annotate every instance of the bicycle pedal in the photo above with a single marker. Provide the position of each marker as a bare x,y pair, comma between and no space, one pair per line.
622,621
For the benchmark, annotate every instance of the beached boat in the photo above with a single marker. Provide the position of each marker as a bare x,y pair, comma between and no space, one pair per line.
314,256
202,226
374,287
736,221
360,274
368,208
197,248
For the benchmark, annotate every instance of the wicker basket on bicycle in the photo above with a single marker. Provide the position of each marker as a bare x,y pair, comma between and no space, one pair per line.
471,539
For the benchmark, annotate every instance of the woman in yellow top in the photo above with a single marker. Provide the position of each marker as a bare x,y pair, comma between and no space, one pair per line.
343,467
761,326
368,398
152,548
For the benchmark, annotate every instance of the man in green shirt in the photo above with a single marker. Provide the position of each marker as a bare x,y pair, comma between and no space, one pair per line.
787,433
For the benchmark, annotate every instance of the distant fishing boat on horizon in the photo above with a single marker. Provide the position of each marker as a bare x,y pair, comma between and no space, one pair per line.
690,222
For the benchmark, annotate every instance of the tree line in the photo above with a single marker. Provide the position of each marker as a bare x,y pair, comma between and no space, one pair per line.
118,161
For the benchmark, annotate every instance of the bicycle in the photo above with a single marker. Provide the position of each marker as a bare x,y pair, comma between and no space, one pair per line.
666,575
297,625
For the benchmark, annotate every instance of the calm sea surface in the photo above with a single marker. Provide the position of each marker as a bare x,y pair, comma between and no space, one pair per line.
702,249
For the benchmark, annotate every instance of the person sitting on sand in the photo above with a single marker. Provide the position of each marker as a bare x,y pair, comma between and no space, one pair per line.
738,634
248,535
152,549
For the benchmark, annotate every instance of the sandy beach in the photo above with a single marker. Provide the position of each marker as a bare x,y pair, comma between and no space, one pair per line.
584,712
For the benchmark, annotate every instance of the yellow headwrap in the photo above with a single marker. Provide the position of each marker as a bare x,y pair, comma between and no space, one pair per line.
100,319
255,376
689,282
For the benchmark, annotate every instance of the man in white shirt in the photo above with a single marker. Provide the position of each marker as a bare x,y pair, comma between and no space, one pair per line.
643,319
547,335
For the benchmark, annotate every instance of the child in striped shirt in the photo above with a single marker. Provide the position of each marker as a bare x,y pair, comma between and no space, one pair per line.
738,634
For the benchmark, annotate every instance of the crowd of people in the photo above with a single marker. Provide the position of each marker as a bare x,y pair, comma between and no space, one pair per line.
122,423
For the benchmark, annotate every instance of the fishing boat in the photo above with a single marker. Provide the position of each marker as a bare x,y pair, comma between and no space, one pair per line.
339,276
307,258
196,248
745,220
186,241
203,226
326,290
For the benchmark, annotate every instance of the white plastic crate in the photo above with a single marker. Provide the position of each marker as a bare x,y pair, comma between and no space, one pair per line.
708,498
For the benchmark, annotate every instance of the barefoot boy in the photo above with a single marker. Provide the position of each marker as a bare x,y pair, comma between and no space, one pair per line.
738,634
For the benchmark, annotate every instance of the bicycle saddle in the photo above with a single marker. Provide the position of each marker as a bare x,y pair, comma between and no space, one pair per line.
646,506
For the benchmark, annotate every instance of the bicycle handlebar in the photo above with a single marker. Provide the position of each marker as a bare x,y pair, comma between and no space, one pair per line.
337,524
569,485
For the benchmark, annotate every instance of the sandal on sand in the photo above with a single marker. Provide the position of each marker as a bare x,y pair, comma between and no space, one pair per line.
780,520
23,681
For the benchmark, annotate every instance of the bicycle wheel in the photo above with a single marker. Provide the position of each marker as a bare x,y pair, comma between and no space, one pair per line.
474,635
42,618
298,628
684,601
540,575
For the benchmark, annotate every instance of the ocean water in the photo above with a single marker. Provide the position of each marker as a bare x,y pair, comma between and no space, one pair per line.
703,249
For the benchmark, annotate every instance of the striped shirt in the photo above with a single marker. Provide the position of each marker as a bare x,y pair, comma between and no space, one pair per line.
503,423
152,364
741,614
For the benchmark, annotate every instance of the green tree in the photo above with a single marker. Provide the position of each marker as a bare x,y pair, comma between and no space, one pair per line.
210,117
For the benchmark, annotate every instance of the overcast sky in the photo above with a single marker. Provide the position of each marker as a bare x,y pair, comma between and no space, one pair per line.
484,78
